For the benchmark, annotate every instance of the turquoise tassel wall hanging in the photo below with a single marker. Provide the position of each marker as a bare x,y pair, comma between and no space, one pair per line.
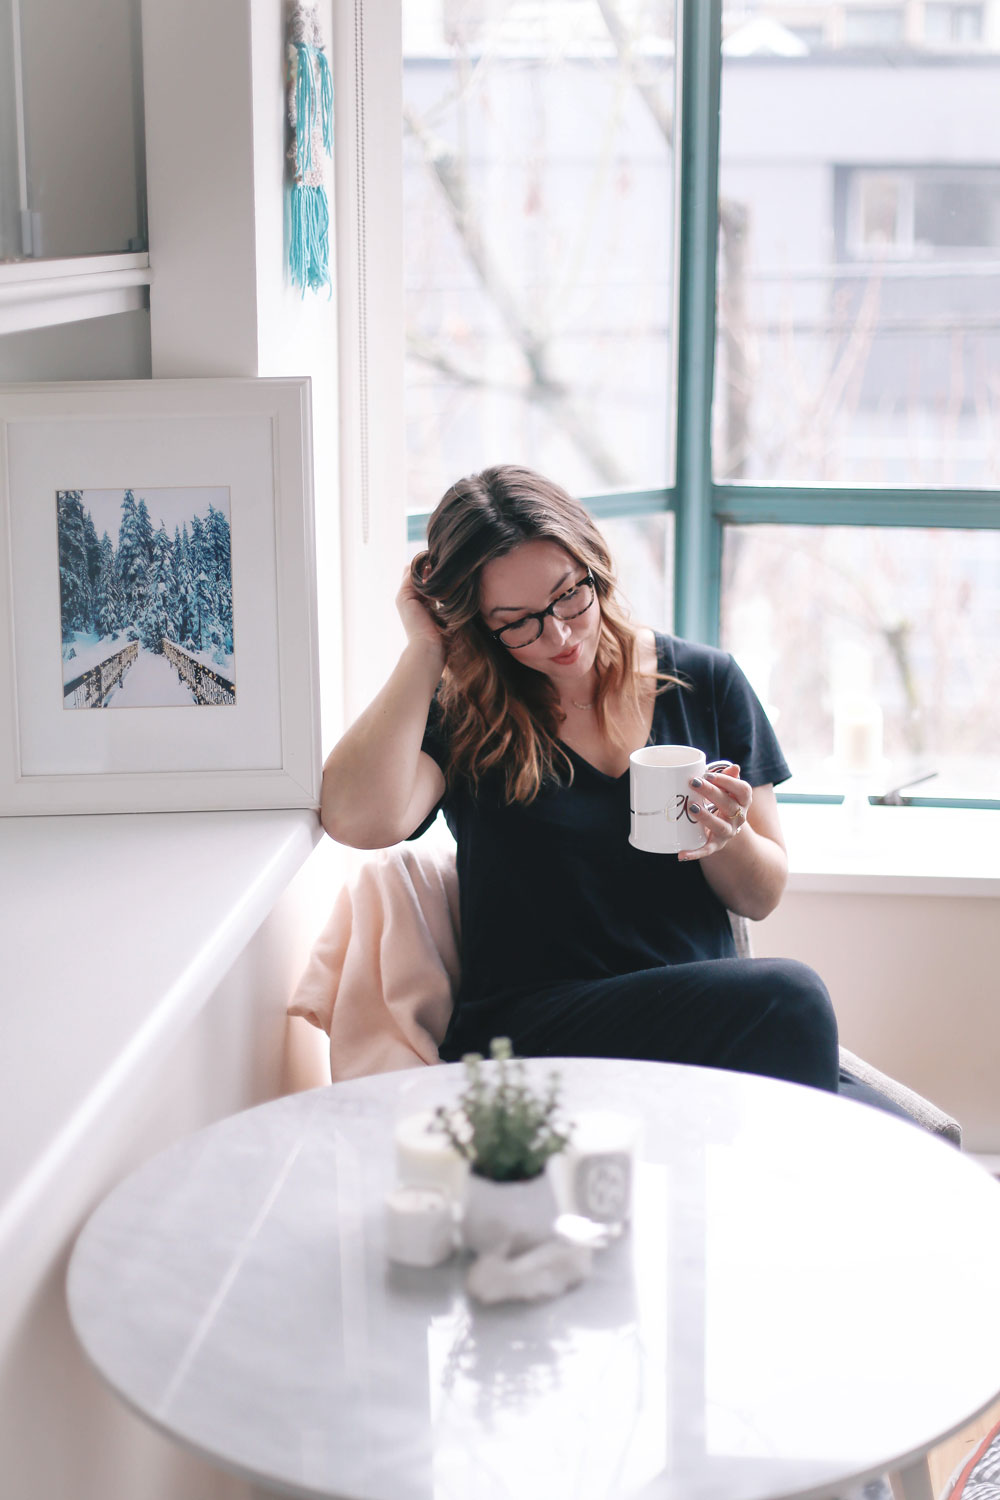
310,114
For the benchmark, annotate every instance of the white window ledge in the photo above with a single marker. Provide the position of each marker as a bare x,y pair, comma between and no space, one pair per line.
37,294
927,851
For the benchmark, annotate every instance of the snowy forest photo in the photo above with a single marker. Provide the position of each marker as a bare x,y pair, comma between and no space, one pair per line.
146,592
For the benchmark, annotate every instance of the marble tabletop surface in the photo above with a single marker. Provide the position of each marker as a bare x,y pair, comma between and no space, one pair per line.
806,1297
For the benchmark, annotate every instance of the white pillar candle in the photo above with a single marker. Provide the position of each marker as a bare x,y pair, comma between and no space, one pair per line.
857,736
419,1226
426,1157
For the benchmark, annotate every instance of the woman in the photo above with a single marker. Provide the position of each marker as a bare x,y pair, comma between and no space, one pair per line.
521,692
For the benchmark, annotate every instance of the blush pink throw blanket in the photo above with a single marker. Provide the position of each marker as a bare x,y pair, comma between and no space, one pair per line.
383,972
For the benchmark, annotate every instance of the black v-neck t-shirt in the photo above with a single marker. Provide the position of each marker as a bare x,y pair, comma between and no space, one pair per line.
553,891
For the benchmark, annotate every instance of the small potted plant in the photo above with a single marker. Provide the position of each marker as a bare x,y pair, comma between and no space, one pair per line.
506,1131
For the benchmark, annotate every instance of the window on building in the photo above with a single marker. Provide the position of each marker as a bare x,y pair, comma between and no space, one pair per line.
831,514
957,212
876,26
921,212
952,25
880,213
813,37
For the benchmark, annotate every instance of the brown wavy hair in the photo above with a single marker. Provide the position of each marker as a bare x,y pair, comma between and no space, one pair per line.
498,712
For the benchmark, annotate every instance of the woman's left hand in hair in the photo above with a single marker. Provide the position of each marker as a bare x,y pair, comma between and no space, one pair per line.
719,802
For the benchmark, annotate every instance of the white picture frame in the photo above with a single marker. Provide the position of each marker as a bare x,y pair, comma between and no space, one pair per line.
247,444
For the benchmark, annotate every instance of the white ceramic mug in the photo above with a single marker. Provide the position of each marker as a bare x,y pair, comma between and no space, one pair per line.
660,798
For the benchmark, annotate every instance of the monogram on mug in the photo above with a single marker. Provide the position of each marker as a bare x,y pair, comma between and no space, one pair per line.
678,807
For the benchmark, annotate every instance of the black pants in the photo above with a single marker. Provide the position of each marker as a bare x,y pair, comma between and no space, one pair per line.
750,1015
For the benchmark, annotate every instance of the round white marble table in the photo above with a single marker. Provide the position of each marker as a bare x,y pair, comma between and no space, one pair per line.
807,1296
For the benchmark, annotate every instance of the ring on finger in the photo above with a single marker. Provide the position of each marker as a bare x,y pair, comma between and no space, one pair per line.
738,818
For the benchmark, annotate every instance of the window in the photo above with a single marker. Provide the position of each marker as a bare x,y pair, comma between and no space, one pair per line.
70,73
953,25
957,212
784,396
812,37
828,619
854,450
538,203
878,26
922,213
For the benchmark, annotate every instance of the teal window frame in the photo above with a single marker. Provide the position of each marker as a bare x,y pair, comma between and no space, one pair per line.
702,508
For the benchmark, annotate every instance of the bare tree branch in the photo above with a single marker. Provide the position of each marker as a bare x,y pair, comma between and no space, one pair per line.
452,181
438,358
544,387
631,61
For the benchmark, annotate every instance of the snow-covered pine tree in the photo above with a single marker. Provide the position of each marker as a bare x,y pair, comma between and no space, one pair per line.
173,597
207,631
220,538
209,626
132,563
74,576
93,549
145,528
107,595
186,592
158,618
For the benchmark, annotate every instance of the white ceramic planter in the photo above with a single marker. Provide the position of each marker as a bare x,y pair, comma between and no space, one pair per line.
518,1214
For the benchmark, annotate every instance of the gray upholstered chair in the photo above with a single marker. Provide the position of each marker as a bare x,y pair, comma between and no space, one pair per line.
918,1108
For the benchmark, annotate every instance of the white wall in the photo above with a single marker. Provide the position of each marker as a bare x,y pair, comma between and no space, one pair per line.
63,1434
914,984
795,113
219,305
114,348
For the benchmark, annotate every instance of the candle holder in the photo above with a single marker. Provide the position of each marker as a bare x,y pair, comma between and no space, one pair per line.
857,759
856,806
419,1226
424,1157
595,1173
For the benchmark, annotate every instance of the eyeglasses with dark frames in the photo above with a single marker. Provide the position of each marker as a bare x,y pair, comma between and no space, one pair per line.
526,630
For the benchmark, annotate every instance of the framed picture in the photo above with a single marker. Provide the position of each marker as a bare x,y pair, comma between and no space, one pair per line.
157,597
